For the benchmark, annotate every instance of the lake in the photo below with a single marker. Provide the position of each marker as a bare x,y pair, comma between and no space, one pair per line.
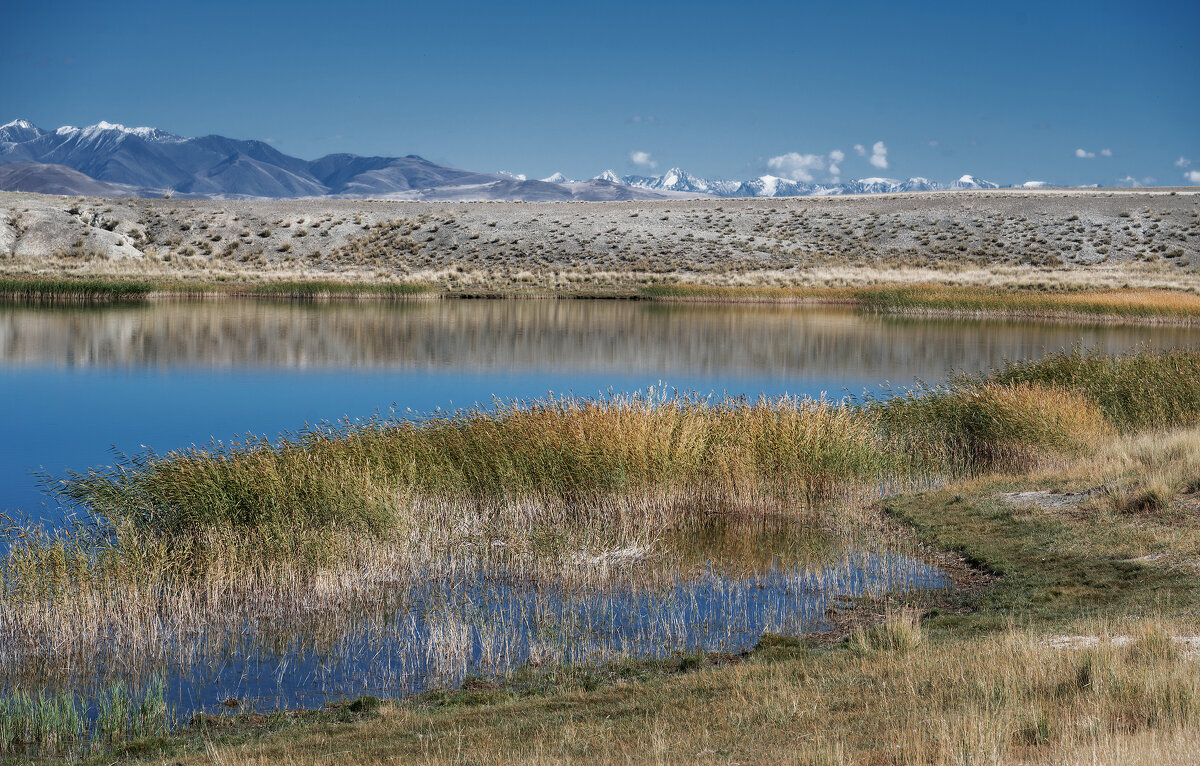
79,383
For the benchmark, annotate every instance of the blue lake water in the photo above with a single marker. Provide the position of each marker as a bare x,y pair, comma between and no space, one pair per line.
79,382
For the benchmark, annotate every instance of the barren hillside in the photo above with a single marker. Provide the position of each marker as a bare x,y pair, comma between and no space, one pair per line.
1087,237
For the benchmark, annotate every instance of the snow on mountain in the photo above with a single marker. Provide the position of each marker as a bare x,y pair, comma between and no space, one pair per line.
144,160
971,182
679,181
611,177
20,131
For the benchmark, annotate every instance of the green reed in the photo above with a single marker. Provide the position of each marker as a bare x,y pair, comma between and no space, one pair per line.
54,290
313,289
58,724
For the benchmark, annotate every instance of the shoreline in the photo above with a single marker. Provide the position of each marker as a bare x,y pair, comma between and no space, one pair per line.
1180,307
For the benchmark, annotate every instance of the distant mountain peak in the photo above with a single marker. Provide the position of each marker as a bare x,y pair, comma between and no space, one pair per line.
146,160
18,131
968,181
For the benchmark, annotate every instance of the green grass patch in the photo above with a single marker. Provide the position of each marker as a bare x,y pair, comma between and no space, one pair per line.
33,290
330,289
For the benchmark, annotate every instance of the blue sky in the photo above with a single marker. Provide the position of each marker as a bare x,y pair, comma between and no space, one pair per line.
1006,91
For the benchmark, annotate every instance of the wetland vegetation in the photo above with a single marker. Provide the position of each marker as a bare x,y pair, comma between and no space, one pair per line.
541,555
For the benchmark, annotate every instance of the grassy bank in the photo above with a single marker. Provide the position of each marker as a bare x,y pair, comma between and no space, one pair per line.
1002,682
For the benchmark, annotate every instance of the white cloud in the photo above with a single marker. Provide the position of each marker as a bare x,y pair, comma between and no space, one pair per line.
1193,176
796,166
1106,152
1147,181
1182,162
1084,154
862,150
643,160
879,155
835,158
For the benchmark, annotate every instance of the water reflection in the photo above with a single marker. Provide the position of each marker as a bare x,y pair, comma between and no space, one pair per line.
530,335
716,584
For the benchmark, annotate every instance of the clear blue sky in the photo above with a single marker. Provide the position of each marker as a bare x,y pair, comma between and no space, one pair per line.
1006,91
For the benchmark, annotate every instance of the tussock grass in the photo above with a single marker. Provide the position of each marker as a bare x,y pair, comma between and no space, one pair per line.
974,425
1140,390
640,461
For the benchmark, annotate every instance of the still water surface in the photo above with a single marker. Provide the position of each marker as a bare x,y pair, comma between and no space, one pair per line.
77,383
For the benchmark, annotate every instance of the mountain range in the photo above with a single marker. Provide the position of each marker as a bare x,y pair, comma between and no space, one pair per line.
110,159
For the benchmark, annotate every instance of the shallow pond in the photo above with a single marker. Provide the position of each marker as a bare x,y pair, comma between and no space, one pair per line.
395,629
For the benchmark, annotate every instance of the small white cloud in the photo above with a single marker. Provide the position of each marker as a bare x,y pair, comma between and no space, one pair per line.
835,158
1147,181
1084,154
933,144
643,160
879,155
1182,162
862,150
1193,176
796,166
1106,152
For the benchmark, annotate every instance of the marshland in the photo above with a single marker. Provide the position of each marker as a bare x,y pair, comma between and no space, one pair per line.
734,518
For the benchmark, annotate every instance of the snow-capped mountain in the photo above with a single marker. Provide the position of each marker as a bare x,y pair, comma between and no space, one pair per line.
678,180
144,161
19,131
971,182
